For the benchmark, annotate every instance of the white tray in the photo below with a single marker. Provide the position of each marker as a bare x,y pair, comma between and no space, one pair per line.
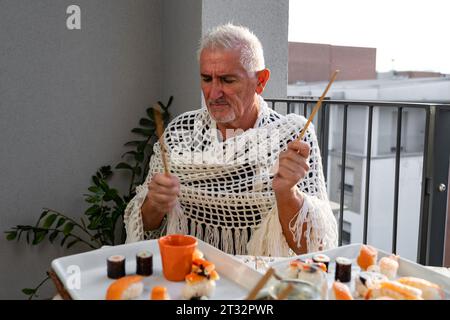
236,278
406,267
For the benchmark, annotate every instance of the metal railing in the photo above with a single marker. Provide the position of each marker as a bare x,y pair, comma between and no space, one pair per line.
436,151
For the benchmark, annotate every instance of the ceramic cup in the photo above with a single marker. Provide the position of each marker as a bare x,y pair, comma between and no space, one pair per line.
176,255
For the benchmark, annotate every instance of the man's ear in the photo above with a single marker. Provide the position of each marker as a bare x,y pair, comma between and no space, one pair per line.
263,76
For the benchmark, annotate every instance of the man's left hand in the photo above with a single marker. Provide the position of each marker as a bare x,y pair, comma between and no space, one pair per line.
292,167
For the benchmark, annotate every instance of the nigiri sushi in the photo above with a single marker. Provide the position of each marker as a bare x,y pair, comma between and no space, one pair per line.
395,290
430,291
126,288
159,293
339,291
198,286
389,266
367,257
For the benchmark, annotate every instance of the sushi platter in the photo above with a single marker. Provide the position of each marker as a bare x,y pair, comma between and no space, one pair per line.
88,276
343,271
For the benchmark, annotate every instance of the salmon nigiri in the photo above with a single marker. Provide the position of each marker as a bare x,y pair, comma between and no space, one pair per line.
126,288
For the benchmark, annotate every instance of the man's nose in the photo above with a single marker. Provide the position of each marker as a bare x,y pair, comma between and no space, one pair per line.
216,90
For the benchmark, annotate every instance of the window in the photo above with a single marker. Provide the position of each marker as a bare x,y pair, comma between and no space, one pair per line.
349,180
346,233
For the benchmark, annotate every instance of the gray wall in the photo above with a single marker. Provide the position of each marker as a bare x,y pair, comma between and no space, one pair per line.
268,19
68,100
181,33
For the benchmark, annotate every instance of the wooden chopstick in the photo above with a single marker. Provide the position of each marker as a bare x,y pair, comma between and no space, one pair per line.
317,106
283,294
160,131
261,283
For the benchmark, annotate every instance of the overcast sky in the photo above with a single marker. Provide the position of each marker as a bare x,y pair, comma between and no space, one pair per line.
408,34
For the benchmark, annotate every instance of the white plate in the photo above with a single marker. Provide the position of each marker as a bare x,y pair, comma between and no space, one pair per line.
406,267
236,278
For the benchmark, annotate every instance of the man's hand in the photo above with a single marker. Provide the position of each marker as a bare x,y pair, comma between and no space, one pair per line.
163,191
292,167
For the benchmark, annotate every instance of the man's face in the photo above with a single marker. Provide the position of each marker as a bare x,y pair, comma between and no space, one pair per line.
229,91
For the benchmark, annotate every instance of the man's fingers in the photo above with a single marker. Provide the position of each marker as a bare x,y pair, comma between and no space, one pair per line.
164,180
162,198
299,147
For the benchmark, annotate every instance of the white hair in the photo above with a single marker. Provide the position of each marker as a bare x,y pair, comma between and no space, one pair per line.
233,37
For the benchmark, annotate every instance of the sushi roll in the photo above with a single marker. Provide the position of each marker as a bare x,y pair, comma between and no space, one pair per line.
395,290
116,267
430,291
340,291
126,288
159,293
366,280
343,270
367,257
144,263
198,286
322,258
389,266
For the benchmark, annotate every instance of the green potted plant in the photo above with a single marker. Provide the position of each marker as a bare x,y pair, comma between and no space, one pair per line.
101,223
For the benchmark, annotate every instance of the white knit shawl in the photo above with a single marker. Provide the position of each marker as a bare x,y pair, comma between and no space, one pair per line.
226,196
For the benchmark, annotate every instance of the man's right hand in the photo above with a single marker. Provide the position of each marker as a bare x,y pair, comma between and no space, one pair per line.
163,191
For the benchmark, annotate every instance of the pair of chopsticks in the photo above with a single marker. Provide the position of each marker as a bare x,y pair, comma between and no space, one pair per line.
317,106
160,131
262,282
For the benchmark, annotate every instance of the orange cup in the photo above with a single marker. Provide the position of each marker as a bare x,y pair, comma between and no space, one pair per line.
176,255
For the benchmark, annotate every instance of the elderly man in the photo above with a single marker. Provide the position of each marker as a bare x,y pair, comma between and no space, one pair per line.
239,180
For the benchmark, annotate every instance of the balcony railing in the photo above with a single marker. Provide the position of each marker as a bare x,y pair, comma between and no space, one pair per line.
435,172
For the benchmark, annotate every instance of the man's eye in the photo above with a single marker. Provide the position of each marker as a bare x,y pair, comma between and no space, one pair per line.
228,80
206,79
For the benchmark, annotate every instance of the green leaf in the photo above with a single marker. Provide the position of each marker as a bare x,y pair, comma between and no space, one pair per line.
49,221
68,228
29,291
124,165
141,147
11,235
132,143
70,244
95,180
60,222
64,240
106,172
43,214
53,236
39,236
145,122
94,189
150,113
92,210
